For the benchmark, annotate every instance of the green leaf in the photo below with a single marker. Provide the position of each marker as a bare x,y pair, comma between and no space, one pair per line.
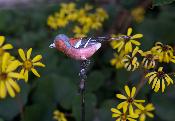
10,107
38,112
104,113
162,2
64,90
164,104
95,80
1,119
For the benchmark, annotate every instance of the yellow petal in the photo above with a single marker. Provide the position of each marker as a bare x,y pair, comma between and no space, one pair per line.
15,75
120,105
2,39
7,47
131,111
37,58
4,61
115,115
142,117
149,107
129,31
2,89
38,64
149,114
151,78
154,82
29,53
127,90
9,89
137,36
114,110
22,54
149,74
35,72
120,96
26,75
14,85
160,69
135,51
133,92
139,106
163,85
139,101
135,42
125,107
13,66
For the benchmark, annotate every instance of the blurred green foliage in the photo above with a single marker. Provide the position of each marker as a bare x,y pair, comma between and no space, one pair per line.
58,86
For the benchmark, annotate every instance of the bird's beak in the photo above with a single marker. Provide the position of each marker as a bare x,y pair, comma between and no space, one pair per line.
52,45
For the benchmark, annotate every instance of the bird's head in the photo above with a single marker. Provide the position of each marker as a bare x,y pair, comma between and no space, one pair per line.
61,41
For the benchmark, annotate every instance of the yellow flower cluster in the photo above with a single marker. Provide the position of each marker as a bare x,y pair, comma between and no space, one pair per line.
138,14
83,18
59,116
126,55
9,75
131,107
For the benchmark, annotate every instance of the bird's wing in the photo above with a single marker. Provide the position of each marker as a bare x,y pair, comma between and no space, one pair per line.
86,42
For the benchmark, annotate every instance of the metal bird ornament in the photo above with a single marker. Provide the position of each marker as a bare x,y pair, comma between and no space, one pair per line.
81,49
78,48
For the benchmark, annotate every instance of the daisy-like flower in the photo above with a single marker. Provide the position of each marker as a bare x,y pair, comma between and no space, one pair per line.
149,60
59,116
8,76
127,42
145,112
130,62
129,100
117,60
5,47
29,64
120,116
158,79
164,52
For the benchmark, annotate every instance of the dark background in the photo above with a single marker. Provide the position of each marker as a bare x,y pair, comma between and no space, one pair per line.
24,23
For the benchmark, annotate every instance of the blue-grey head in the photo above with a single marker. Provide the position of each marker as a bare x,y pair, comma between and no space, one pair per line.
61,37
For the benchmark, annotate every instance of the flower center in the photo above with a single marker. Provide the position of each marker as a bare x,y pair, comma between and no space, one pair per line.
27,64
1,51
127,38
123,117
149,57
3,76
160,74
130,100
165,48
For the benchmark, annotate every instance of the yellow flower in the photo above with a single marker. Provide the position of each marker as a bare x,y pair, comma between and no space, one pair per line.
5,47
7,76
129,100
145,112
128,41
29,64
159,78
130,62
138,14
82,20
117,60
149,60
121,116
59,116
164,52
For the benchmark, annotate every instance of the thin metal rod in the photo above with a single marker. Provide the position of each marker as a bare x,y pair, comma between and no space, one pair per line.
83,101
84,66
